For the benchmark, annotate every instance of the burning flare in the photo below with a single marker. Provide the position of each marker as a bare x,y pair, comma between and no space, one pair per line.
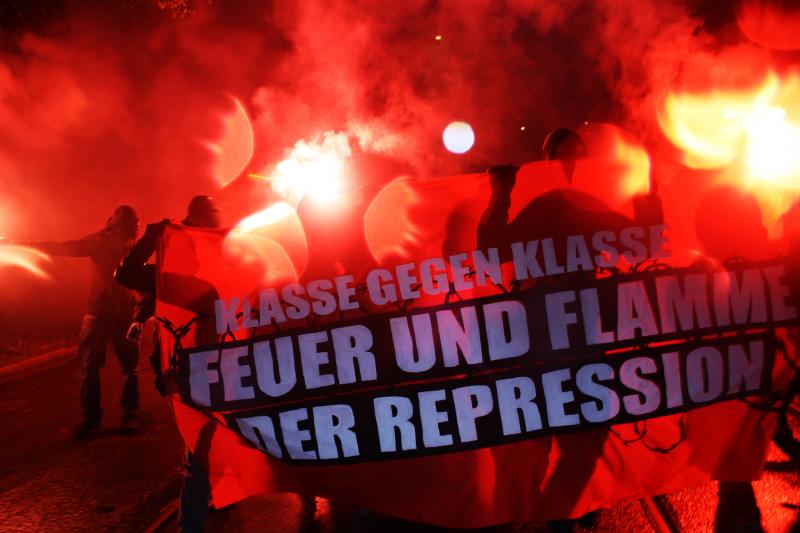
314,168
272,243
757,129
24,257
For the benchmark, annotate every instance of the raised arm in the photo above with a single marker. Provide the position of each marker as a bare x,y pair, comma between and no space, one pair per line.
494,221
84,247
134,272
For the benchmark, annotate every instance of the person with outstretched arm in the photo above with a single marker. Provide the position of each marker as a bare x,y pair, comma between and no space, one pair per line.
109,310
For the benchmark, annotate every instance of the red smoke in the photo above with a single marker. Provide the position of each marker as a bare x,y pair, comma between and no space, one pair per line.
103,103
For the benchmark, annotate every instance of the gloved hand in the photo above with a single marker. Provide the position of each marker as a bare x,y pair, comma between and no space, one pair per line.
155,230
160,382
504,177
134,332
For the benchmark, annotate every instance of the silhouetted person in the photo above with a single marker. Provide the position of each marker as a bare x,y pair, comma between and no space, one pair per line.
136,273
108,313
728,225
557,214
564,145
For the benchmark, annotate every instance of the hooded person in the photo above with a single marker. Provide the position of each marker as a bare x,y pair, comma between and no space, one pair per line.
191,293
557,214
109,308
136,273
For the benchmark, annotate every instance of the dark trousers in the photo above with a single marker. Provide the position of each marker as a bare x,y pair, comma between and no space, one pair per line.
95,333
737,509
195,492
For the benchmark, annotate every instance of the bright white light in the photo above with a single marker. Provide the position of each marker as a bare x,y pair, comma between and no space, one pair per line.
458,137
313,168
773,151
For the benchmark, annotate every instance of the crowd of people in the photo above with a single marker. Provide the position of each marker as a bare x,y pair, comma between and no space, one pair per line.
123,294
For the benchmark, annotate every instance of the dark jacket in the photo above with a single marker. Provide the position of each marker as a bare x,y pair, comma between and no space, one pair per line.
136,273
558,213
105,248
186,291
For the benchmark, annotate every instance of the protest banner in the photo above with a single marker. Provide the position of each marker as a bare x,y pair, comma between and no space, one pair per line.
540,378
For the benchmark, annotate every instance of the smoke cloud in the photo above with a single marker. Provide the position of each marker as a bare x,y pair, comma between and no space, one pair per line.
103,103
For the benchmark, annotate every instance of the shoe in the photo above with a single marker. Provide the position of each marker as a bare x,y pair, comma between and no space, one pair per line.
84,429
789,445
737,509
589,520
130,421
562,526
308,509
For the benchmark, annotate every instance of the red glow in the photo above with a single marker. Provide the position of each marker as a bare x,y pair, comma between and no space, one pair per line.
769,24
389,232
413,218
314,168
752,136
751,127
630,165
234,149
270,243
28,259
259,261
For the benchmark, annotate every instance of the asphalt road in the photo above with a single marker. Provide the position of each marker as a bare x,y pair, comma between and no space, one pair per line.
122,480
118,479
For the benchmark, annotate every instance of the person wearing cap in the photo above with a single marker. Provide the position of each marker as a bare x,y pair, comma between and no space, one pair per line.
108,313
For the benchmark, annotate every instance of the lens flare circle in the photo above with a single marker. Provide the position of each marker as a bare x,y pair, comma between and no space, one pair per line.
234,150
268,247
458,137
770,23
